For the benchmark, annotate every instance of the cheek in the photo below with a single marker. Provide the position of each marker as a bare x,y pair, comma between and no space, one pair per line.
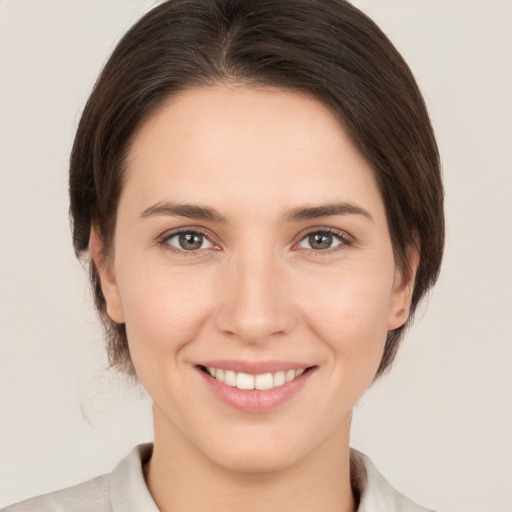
350,312
346,314
164,310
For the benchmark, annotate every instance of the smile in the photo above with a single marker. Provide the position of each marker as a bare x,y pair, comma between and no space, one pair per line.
262,381
255,387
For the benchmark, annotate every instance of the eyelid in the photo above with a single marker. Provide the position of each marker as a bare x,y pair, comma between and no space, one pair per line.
163,240
345,239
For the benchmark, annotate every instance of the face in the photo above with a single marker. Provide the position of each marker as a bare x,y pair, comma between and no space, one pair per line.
252,251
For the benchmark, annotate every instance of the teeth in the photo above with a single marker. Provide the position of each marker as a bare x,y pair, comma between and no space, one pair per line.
290,375
244,381
248,381
279,378
230,378
264,381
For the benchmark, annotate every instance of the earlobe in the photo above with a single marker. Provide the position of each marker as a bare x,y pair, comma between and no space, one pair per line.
403,289
107,277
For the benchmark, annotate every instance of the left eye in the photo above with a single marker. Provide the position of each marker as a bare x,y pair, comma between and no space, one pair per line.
320,241
189,241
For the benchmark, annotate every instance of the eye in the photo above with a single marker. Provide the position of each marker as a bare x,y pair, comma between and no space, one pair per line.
322,240
188,241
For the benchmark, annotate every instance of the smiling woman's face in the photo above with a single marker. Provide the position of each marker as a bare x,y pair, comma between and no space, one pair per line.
251,240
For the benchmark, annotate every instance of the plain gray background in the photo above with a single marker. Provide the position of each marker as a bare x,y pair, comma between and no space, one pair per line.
439,426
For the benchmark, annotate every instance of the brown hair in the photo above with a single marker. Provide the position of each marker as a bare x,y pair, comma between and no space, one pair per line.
325,48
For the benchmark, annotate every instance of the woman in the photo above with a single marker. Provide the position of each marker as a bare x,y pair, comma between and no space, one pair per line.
258,187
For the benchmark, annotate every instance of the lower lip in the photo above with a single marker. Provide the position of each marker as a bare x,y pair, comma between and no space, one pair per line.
254,400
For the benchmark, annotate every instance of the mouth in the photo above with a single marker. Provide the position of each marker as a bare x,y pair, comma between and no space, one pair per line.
247,381
255,392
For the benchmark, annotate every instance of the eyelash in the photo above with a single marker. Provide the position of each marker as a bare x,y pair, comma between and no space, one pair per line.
344,239
164,241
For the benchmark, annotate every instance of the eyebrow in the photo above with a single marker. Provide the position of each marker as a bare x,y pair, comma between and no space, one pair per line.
298,214
188,211
325,210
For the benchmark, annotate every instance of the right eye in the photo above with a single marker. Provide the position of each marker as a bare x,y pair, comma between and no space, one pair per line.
188,241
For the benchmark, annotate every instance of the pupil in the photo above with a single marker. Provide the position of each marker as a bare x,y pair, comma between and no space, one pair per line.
191,241
320,240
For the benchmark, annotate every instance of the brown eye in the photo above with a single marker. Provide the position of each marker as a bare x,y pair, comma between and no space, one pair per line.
320,241
189,241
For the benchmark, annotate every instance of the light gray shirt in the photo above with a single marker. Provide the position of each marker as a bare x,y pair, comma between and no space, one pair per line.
124,490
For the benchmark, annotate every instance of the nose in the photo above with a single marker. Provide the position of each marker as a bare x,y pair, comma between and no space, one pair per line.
256,305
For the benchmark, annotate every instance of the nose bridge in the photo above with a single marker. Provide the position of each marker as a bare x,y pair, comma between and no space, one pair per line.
255,304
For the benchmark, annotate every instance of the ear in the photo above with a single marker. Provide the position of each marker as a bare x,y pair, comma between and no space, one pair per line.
107,277
403,288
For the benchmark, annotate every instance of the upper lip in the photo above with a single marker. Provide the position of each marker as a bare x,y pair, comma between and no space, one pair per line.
254,367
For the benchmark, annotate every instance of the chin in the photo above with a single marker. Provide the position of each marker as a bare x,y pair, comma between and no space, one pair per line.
254,459
270,448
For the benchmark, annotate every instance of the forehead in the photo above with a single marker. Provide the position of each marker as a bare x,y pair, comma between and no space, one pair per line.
250,143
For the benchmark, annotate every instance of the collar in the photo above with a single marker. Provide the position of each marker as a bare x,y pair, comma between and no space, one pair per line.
375,493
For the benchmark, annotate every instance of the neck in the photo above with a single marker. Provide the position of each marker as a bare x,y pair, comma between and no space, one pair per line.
179,477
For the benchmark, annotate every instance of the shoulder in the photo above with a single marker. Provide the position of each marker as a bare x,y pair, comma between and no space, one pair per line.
376,494
123,490
91,496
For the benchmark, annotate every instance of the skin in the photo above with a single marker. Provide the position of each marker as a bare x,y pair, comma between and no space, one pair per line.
255,290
